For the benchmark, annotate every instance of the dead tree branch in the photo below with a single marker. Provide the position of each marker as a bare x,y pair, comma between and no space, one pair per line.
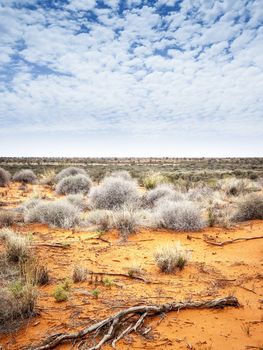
125,321
220,244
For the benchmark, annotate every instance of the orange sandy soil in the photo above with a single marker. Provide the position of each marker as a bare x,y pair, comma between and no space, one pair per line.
213,272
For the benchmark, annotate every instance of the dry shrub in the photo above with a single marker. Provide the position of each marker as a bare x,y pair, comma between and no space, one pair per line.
5,177
29,204
74,184
123,174
135,269
170,257
48,178
17,289
79,274
250,208
236,187
17,302
151,180
199,194
70,171
151,197
101,218
113,193
126,220
219,212
178,216
17,247
55,214
25,176
78,200
8,218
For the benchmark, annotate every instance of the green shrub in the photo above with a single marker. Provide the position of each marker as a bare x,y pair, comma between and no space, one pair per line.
151,180
60,294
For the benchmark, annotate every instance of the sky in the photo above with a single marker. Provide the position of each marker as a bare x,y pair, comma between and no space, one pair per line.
131,78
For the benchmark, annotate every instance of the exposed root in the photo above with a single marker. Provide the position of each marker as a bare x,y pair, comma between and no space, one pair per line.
129,320
220,244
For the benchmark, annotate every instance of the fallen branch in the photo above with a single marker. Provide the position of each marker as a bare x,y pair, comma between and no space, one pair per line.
220,244
118,274
124,322
53,245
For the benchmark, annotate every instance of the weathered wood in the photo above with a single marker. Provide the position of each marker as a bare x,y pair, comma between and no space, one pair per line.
113,325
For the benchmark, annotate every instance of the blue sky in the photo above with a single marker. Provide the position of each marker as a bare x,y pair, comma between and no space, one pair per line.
131,78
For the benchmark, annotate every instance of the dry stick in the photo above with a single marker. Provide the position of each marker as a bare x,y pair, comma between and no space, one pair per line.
142,311
119,275
53,245
220,244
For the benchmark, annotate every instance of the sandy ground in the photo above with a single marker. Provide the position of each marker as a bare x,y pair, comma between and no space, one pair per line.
234,269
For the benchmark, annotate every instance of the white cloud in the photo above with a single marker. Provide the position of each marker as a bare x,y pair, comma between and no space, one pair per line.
141,71
81,5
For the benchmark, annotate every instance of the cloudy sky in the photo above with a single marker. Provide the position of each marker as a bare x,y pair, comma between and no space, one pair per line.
131,77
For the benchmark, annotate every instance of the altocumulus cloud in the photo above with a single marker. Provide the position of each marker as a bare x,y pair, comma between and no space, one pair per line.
135,66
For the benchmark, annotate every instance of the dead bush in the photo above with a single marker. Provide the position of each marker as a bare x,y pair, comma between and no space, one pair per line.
79,274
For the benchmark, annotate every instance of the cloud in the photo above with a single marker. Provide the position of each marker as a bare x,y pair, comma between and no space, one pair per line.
139,68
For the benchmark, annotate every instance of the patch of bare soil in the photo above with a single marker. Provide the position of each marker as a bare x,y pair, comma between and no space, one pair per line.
213,271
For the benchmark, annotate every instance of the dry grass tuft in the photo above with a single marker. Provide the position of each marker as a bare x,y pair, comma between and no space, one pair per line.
171,257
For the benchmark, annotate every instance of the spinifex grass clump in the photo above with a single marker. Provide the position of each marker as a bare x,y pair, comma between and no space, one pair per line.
171,257
25,176
74,184
178,216
113,193
4,177
56,214
70,171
